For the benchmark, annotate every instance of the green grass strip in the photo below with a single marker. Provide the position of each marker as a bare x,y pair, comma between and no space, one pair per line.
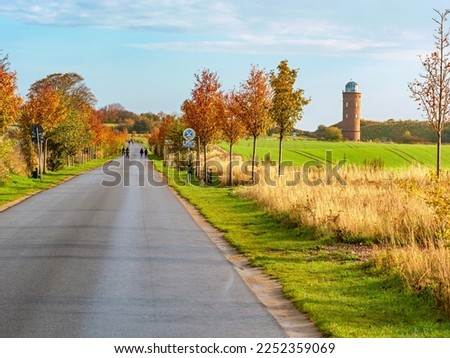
343,296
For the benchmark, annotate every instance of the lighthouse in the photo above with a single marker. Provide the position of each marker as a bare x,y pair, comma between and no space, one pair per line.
351,112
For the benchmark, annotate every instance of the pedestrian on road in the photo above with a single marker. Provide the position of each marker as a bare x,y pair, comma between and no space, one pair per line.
142,152
146,152
123,151
127,151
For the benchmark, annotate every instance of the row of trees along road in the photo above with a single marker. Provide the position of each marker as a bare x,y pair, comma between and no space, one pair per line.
262,102
64,107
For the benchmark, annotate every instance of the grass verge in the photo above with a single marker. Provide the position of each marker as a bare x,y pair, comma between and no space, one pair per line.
20,186
343,296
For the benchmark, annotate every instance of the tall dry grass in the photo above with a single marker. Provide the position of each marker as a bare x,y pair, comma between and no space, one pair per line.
422,268
373,204
405,211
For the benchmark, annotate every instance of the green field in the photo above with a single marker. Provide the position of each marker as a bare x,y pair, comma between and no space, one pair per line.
389,155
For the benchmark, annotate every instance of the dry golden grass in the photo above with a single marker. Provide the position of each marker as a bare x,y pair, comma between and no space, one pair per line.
422,267
374,204
218,161
405,211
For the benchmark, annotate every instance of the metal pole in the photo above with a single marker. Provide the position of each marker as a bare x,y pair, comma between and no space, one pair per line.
39,152
189,166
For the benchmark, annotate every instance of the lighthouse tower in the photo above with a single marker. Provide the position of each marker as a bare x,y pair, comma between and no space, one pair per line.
351,112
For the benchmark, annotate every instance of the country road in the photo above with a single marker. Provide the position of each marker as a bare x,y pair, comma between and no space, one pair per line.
91,260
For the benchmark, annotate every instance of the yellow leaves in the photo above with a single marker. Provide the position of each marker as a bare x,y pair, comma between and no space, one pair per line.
257,102
9,101
288,102
232,124
434,192
46,107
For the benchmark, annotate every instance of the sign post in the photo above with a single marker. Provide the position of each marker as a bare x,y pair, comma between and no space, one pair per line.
189,135
36,138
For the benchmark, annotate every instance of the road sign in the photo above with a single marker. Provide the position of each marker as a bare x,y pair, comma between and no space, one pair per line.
189,134
189,144
36,129
36,134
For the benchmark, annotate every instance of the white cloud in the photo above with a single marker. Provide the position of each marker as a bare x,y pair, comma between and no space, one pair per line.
272,45
305,36
218,25
163,14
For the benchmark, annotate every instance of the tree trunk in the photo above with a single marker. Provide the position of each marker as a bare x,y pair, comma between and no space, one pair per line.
205,169
230,173
280,154
45,155
438,154
253,158
197,166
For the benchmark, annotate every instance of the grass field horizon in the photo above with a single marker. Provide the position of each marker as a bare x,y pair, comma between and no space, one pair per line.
388,155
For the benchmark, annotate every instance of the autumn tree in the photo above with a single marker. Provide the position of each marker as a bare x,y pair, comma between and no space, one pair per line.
256,105
171,135
71,86
232,125
154,142
9,101
113,113
287,102
10,156
46,107
432,91
204,110
63,105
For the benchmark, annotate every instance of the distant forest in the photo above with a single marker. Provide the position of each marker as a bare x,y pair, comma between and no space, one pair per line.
131,122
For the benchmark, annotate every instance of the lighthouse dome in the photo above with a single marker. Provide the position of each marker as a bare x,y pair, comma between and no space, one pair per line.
351,87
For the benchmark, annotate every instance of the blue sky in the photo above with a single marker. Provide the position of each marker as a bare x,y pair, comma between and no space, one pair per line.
143,53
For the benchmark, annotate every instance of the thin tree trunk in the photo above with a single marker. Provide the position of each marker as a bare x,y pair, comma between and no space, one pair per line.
45,155
253,158
205,169
280,154
438,154
230,175
197,166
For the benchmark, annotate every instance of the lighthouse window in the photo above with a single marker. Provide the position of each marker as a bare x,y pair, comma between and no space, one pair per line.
346,115
356,116
346,104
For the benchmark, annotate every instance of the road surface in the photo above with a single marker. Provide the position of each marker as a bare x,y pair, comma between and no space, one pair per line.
126,260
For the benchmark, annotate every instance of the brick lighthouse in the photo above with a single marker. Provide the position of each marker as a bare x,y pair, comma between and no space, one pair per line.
351,112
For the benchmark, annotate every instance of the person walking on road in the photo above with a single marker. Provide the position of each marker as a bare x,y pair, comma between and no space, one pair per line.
127,152
142,152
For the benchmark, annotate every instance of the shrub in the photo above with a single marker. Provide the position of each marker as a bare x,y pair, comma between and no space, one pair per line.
12,160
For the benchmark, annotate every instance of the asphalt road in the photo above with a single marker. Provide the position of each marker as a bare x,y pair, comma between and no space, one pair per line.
126,260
